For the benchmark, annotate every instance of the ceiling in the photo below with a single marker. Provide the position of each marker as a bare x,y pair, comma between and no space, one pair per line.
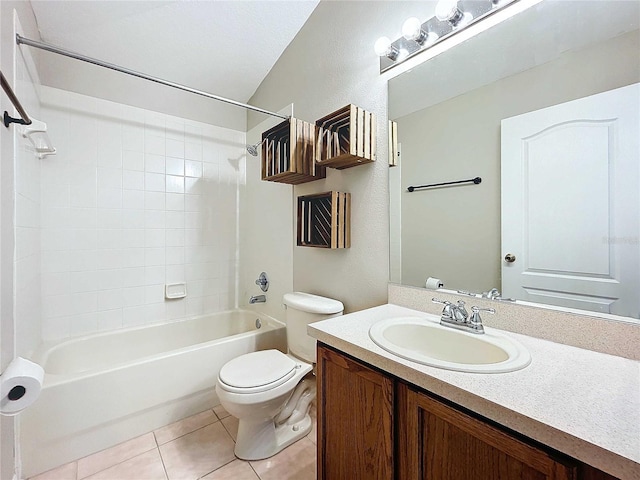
222,47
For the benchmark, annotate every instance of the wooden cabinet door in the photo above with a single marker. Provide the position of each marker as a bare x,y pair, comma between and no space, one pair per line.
355,420
442,443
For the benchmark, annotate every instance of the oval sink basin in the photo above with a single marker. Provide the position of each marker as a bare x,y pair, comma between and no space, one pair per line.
426,341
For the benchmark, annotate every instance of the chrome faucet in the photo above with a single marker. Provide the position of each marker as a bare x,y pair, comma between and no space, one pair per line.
257,299
494,294
456,316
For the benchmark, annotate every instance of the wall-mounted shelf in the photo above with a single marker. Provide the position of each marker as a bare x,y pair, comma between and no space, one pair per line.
324,220
288,153
346,138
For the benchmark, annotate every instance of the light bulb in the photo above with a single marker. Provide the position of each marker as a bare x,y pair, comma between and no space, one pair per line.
446,9
412,29
384,48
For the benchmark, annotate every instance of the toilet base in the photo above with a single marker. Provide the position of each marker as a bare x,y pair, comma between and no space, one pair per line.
260,440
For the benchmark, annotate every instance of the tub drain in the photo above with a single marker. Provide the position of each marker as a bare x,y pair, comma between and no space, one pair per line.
258,323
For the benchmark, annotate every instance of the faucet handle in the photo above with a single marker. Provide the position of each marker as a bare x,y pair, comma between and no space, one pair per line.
447,310
441,302
475,321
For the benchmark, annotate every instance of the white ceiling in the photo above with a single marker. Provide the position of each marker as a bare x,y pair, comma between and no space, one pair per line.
222,47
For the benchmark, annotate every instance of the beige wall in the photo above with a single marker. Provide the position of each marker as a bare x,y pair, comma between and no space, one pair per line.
454,233
330,64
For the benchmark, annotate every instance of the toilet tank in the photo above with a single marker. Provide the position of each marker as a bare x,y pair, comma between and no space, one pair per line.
301,310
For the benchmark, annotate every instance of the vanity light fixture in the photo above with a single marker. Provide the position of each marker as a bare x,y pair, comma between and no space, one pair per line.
451,17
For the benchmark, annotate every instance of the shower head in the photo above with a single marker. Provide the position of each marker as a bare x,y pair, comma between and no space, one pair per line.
253,149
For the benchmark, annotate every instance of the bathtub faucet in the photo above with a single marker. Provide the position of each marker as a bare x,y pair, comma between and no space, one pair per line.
258,299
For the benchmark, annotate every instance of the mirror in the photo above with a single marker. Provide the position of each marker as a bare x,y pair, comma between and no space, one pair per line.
449,112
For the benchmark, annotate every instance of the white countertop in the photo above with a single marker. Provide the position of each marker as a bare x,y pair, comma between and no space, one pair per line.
583,403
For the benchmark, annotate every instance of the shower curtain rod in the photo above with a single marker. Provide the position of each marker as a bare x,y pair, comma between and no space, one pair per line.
117,68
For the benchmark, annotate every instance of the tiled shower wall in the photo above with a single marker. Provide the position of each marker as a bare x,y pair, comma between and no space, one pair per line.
134,200
28,303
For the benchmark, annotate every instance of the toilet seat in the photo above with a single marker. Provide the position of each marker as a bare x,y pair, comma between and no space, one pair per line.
257,372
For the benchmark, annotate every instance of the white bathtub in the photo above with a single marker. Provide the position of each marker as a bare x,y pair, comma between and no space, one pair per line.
103,389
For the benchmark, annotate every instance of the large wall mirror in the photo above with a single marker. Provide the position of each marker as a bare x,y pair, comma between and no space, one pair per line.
544,109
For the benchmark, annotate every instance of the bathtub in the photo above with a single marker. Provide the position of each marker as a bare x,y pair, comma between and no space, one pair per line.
102,389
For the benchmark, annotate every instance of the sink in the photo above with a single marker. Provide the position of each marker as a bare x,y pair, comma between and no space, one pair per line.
425,341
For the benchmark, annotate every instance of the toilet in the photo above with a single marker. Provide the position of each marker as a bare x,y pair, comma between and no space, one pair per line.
267,391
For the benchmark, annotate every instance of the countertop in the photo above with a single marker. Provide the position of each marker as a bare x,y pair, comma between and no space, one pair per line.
583,403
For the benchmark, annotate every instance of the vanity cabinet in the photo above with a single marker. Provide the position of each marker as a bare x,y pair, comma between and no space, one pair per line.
372,425
355,420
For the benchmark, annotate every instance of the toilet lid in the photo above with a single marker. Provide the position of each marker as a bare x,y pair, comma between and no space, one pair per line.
266,368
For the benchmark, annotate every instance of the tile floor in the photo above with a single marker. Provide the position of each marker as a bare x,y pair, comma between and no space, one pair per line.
198,447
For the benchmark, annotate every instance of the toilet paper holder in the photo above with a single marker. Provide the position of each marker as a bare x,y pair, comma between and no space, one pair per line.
20,386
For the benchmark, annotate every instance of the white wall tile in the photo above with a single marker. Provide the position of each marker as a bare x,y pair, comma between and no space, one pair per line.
110,279
154,294
193,151
110,320
154,237
175,184
175,201
83,324
109,198
174,148
134,316
109,218
133,160
83,281
154,182
110,178
132,138
154,218
154,313
132,180
154,163
109,299
132,219
175,166
133,277
154,200
133,296
117,224
133,199
154,144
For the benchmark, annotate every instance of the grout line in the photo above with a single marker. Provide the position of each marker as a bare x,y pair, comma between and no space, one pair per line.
164,467
254,471
221,466
184,434
189,433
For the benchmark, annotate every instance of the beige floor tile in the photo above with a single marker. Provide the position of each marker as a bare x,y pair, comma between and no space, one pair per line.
197,453
220,412
68,471
236,470
296,462
231,424
184,426
147,466
114,455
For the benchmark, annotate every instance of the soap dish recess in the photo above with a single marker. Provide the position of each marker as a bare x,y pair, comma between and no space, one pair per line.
173,291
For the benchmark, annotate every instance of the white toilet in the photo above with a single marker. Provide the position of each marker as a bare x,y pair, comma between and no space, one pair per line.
264,389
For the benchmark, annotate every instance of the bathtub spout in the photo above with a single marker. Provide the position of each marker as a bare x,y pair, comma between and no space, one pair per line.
258,299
